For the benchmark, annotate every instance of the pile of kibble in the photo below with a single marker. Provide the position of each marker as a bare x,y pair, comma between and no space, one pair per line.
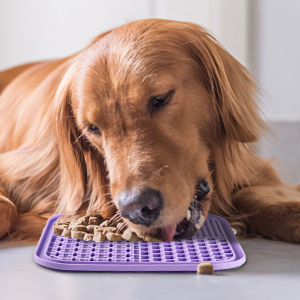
95,228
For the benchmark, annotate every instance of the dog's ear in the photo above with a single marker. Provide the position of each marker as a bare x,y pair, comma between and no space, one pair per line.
233,89
73,174
84,182
98,191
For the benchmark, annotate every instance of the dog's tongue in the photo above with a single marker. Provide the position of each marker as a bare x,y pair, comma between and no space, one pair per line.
167,233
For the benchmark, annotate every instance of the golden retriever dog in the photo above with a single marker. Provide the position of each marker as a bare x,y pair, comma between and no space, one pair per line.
153,122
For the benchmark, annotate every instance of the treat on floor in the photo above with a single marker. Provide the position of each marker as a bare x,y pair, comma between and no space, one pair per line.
206,268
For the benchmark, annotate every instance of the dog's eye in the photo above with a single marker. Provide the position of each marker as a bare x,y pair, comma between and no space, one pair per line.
160,100
94,129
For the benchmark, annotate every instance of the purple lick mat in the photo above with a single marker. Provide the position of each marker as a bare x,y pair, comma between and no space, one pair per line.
214,242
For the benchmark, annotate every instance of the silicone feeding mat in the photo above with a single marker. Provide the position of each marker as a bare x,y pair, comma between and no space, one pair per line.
214,242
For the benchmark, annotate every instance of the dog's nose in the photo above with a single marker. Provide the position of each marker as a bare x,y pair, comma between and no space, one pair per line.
141,207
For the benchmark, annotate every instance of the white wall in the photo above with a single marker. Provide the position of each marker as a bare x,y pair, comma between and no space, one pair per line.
33,29
266,39
227,20
276,56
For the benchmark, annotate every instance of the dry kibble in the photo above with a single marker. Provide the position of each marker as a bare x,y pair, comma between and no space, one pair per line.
111,229
102,229
135,238
113,236
99,236
79,228
104,223
58,229
77,234
105,230
94,221
88,237
73,224
127,235
98,216
66,232
91,228
130,236
63,222
61,225
83,221
205,268
97,228
121,227
66,219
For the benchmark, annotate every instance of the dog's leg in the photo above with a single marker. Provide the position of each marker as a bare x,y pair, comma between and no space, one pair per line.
28,228
8,214
270,211
16,227
27,198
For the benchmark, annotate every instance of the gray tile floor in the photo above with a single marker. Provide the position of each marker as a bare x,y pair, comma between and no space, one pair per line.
272,270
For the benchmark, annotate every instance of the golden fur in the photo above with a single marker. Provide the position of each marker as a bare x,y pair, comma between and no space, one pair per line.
50,163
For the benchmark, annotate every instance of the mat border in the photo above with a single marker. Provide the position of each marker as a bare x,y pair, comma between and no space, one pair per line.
42,259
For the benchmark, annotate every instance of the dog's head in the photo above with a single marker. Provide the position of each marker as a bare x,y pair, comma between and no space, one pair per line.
140,111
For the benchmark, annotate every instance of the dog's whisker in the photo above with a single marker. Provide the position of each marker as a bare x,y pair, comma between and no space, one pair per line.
78,138
107,194
193,208
107,204
115,218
